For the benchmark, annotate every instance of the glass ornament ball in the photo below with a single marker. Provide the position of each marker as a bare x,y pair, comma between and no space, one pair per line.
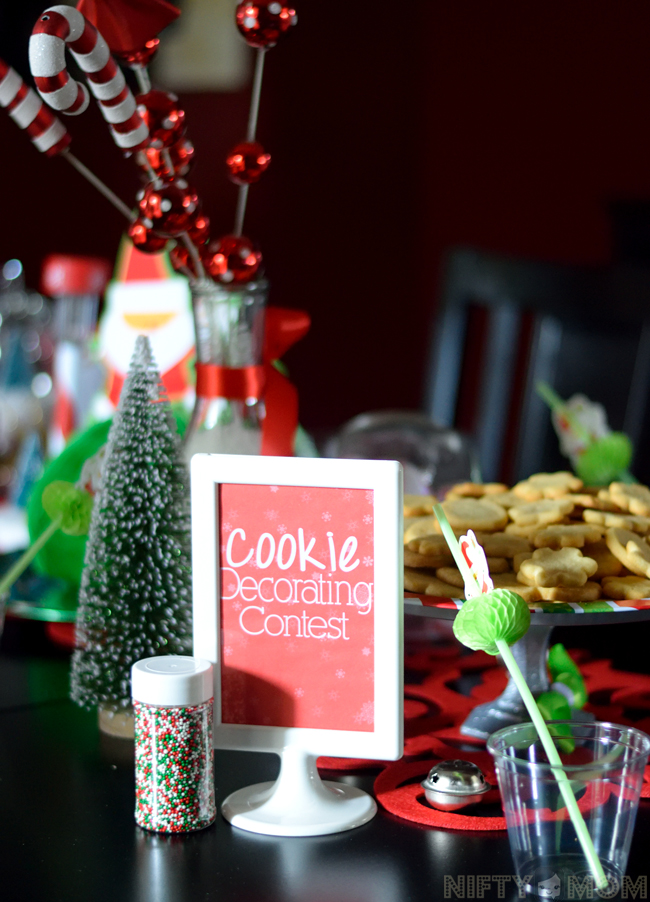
139,58
144,239
246,162
231,259
199,230
263,22
172,207
164,118
181,261
167,162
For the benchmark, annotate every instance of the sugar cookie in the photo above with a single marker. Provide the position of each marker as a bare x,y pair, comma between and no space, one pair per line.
621,521
608,564
589,592
443,590
631,550
631,497
547,485
565,567
567,536
476,514
502,544
417,580
541,513
418,505
628,587
509,581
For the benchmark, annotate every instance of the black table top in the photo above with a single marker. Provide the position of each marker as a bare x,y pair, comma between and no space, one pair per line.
67,832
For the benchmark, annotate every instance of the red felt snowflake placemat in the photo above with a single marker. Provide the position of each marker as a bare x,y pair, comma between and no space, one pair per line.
434,709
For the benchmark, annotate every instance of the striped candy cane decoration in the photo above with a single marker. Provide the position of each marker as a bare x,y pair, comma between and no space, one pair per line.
28,111
63,25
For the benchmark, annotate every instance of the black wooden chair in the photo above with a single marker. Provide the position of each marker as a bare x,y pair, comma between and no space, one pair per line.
503,324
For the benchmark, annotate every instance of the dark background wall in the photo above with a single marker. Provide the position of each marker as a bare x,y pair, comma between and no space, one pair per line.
397,130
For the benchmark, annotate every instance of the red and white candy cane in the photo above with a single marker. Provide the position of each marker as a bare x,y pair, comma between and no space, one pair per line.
59,26
28,111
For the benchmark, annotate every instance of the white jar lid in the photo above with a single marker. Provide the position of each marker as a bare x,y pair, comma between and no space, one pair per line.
172,680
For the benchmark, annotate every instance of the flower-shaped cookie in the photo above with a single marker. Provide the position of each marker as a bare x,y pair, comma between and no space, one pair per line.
631,550
632,498
548,568
548,485
541,513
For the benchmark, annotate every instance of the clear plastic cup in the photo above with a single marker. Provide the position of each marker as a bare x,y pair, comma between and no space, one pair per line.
605,763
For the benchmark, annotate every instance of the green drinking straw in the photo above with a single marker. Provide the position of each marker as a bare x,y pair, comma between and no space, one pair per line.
492,622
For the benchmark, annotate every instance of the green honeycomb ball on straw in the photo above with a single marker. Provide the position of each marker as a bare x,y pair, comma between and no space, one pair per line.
74,506
483,620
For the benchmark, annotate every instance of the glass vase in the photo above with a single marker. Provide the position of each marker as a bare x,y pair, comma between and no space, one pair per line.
229,326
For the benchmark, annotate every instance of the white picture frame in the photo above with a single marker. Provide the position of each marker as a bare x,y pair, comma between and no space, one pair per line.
384,478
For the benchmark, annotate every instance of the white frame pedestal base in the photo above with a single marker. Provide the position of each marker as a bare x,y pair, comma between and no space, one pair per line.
299,803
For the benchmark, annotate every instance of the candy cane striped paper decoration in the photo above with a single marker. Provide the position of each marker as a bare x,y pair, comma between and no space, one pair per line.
59,26
48,134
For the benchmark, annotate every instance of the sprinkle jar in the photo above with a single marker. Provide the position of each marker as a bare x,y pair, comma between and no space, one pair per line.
174,770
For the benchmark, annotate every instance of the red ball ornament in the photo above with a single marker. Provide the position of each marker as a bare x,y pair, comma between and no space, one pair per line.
168,162
181,260
138,58
263,22
199,231
171,207
246,162
144,239
164,118
231,259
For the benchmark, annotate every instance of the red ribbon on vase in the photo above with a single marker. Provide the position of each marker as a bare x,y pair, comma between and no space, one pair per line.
282,329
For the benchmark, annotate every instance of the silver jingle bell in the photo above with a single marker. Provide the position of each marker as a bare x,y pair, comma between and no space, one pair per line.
454,784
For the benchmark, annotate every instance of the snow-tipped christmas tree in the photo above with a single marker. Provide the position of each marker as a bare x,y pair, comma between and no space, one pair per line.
135,597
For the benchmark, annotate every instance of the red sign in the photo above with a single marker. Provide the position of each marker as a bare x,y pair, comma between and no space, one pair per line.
297,606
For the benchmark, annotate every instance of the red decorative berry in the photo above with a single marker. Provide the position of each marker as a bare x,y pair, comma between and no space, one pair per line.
263,22
181,260
165,119
199,231
231,259
246,162
144,239
171,207
142,57
168,162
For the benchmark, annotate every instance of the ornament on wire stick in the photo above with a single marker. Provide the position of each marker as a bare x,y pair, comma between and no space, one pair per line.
167,163
232,258
263,22
172,206
164,118
199,230
182,261
246,162
144,239
138,58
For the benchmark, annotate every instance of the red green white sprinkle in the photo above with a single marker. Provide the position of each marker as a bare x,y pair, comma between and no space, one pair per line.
174,782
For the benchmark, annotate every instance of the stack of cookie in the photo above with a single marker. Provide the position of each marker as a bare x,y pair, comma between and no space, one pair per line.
550,538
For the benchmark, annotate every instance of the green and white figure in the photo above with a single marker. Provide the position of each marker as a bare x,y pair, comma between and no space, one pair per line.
135,597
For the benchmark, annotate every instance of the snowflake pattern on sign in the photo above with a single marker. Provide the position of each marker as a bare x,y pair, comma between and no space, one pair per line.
300,638
366,714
